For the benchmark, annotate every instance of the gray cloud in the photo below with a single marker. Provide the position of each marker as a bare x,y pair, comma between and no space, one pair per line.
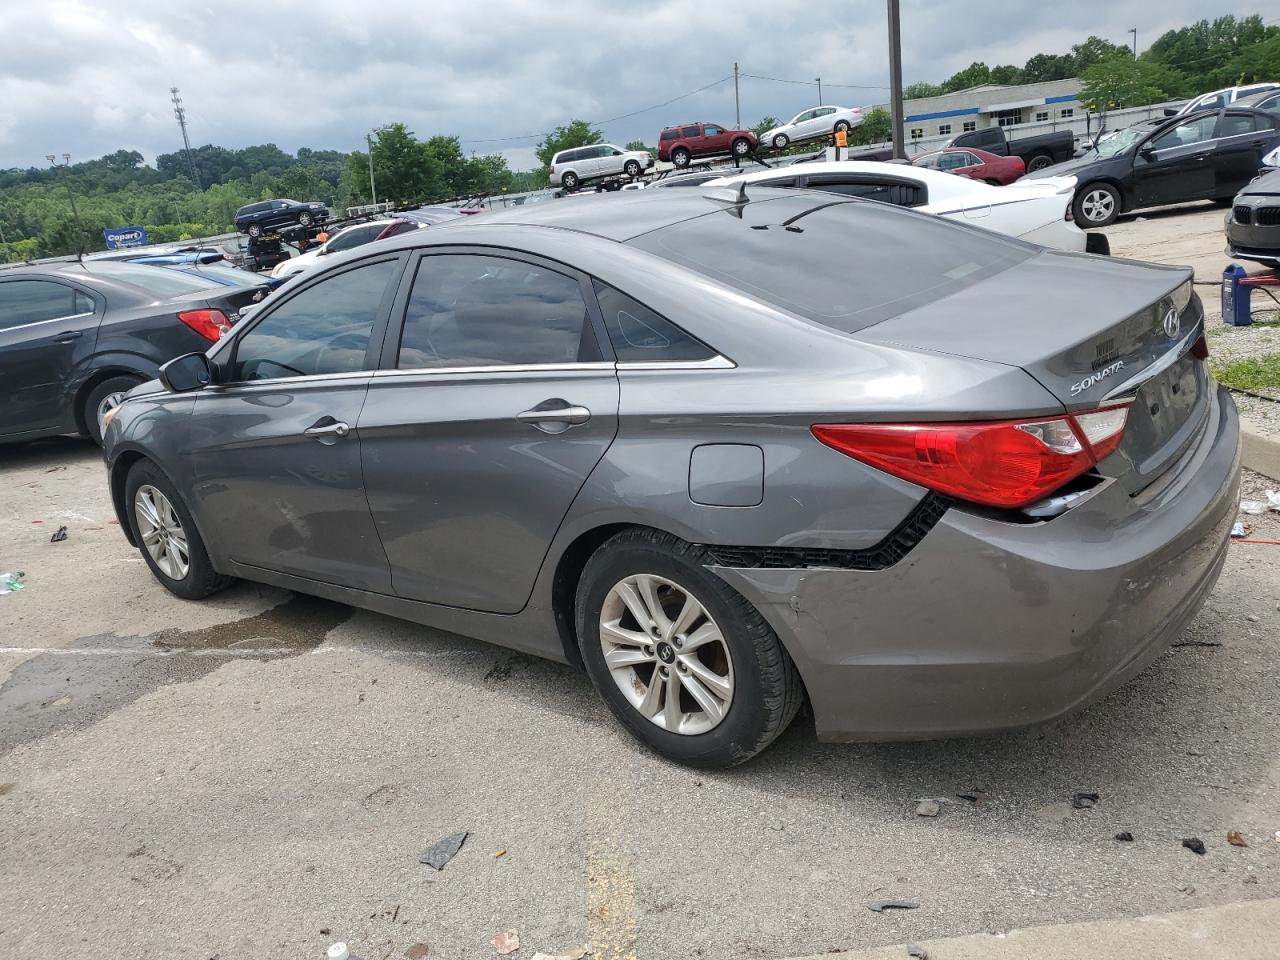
91,77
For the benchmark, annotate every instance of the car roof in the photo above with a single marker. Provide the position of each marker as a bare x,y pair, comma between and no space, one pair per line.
1254,98
875,167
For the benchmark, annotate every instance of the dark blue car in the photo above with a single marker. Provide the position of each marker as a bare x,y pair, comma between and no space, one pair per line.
255,219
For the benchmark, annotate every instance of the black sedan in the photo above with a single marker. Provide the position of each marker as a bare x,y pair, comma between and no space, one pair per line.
255,219
74,337
1253,223
1208,155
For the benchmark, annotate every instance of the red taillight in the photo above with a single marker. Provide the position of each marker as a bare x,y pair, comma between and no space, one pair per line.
552,170
1071,214
1002,464
1200,349
208,323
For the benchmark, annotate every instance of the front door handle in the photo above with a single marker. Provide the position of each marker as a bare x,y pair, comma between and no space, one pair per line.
327,433
555,416
68,336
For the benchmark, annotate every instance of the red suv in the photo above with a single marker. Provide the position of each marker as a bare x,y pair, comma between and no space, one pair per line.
681,144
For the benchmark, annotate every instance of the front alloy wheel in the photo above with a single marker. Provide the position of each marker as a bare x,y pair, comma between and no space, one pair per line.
163,536
1097,205
666,654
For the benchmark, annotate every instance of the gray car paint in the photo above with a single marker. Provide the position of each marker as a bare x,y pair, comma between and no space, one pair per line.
1012,621
1254,241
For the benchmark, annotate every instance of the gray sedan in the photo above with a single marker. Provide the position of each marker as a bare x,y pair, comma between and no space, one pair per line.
728,453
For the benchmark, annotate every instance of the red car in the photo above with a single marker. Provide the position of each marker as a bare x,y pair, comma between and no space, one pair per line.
681,144
976,164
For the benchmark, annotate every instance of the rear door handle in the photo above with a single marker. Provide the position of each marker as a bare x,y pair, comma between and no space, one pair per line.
555,416
327,433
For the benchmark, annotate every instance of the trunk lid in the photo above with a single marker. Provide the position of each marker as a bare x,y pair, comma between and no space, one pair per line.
1091,330
230,300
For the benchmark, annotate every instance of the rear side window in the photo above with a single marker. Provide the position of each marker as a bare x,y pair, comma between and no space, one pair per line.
468,310
323,330
1235,124
32,301
639,334
795,253
670,135
691,131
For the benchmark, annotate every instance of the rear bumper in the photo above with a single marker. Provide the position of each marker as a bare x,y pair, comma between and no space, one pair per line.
1059,235
988,625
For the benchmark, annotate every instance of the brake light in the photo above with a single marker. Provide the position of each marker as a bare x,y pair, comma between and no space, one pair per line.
552,170
210,324
999,464
1071,214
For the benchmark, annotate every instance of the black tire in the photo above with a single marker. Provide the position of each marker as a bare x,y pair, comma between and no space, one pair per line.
570,180
631,168
843,126
95,399
255,230
680,157
780,141
741,147
201,579
1039,161
1090,210
767,688
304,219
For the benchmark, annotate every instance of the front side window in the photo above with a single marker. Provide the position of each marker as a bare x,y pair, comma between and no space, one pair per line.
807,115
324,329
354,238
1187,133
638,334
712,131
33,301
471,310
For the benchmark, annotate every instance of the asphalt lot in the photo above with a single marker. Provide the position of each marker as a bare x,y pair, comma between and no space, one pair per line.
255,776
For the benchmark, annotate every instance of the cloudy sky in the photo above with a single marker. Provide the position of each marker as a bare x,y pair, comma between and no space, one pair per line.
91,77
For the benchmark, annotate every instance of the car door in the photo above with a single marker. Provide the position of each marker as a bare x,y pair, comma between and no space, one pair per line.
274,446
800,125
1242,139
494,404
715,139
821,122
1174,166
47,327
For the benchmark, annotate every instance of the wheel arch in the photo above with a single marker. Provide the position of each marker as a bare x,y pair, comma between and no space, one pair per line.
97,376
1126,203
116,477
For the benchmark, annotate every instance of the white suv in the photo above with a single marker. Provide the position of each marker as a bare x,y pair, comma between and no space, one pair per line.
570,168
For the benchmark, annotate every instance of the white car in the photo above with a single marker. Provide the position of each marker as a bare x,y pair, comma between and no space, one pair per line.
1034,210
571,168
1220,98
348,238
811,124
1272,159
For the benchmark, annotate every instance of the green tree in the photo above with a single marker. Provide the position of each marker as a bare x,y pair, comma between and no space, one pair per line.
641,145
1007,74
765,125
971,76
920,90
576,133
1120,81
1048,66
1095,50
876,127
404,169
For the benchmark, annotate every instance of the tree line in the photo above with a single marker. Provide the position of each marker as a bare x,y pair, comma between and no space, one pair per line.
119,189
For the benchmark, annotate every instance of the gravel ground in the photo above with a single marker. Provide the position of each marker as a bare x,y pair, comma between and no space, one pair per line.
255,776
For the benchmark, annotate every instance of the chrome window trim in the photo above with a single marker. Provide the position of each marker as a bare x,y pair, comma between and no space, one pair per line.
717,362
289,381
36,323
594,365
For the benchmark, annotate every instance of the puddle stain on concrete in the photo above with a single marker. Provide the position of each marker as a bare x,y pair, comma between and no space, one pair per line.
76,687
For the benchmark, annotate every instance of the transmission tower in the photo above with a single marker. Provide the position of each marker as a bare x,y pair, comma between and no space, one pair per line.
181,116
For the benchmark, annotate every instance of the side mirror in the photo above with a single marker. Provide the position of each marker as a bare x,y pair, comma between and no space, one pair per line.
186,373
1170,112
617,153
1146,153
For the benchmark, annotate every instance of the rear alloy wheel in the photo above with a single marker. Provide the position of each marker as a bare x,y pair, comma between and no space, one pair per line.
741,147
569,181
780,141
166,535
680,157
843,126
631,168
683,661
1039,162
255,230
104,397
304,219
1097,205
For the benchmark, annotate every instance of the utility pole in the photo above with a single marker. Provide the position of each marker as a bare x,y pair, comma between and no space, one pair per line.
737,103
1134,31
181,116
75,214
895,81
373,191
819,82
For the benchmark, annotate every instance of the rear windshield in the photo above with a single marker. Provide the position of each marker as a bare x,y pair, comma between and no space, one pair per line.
845,264
157,281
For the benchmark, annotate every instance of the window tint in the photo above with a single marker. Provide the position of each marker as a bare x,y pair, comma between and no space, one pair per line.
712,131
1185,134
900,194
670,135
30,301
1235,124
355,237
84,302
929,161
468,310
793,252
801,118
953,161
324,329
690,131
160,282
824,111
637,333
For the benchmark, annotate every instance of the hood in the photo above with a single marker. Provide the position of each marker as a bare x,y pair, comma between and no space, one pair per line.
1077,167
302,261
1267,185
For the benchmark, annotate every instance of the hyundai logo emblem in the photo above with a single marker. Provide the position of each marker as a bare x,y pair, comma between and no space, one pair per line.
1171,324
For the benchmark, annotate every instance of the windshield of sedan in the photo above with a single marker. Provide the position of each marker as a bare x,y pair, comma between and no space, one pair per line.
846,264
1117,143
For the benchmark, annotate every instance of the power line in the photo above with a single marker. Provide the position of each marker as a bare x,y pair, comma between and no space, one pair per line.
810,83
